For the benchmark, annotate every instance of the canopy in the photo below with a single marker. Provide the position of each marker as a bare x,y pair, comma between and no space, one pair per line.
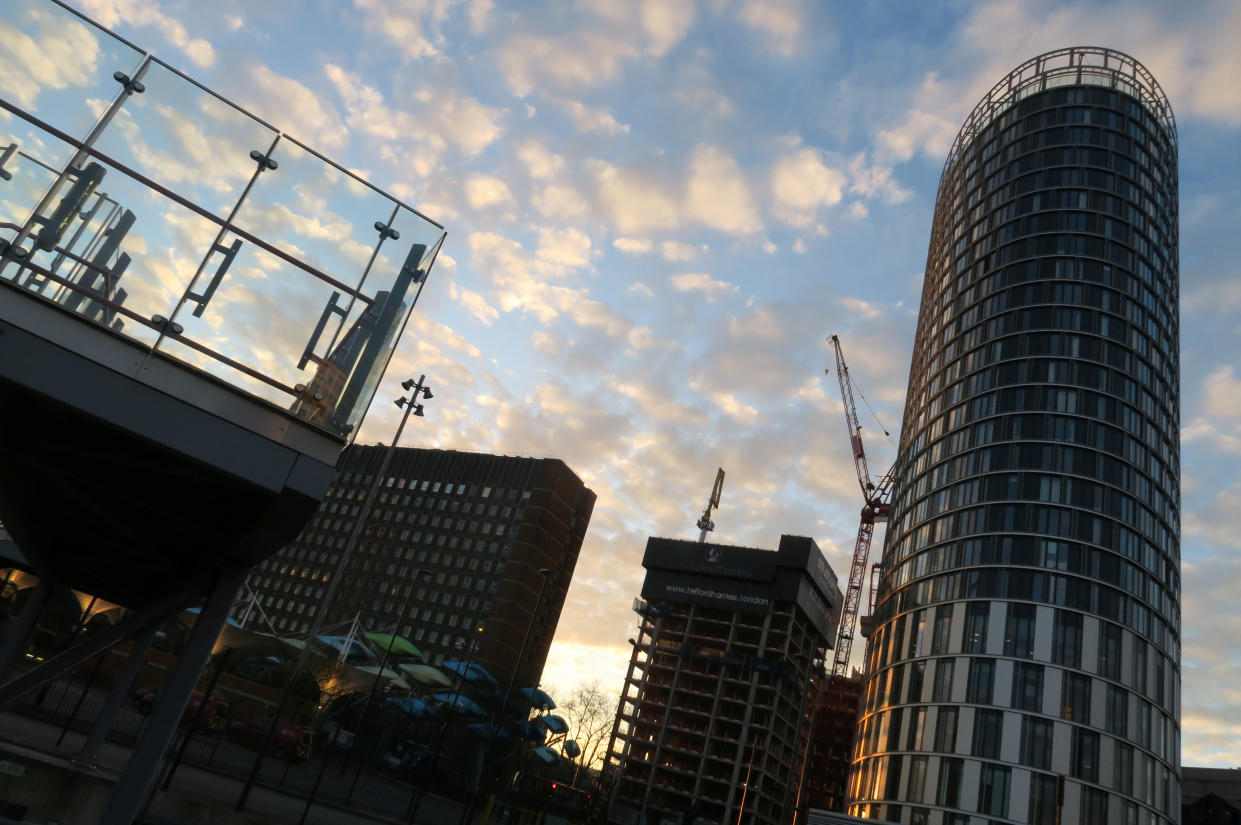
230,621
394,679
463,705
474,674
357,650
572,750
427,675
554,723
416,708
547,755
532,731
400,645
538,699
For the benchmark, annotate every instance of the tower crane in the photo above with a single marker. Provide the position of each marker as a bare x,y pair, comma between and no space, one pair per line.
877,500
705,524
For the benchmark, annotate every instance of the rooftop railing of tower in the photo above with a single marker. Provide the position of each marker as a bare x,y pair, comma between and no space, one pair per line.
151,207
1074,66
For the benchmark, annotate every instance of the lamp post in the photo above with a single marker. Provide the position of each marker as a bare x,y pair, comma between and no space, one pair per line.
419,575
546,573
437,741
411,406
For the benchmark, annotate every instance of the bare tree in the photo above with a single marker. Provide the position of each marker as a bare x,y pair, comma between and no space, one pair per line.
589,712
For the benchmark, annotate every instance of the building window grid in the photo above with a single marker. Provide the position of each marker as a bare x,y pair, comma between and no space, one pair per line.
1138,660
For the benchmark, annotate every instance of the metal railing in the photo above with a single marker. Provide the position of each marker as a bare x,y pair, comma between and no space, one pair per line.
147,204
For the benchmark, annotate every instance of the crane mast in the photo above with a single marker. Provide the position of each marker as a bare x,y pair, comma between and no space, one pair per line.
705,524
875,509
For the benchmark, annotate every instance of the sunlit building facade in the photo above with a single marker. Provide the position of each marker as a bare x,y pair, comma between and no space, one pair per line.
1025,666
456,538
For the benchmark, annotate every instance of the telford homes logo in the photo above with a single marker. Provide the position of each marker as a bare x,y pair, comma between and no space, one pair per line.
712,555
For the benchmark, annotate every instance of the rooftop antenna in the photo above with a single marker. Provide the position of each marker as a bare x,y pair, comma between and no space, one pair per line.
705,524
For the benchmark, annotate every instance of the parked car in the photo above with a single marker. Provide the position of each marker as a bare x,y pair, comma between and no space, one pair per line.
294,742
214,718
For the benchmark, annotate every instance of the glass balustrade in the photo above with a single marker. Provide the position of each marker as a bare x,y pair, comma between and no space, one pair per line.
147,204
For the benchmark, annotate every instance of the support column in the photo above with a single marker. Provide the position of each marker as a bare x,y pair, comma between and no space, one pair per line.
18,637
116,696
157,734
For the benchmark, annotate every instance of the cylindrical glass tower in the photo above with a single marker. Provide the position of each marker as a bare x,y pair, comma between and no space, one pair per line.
1025,666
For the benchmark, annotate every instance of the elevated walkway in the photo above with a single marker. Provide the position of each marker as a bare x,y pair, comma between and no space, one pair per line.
195,311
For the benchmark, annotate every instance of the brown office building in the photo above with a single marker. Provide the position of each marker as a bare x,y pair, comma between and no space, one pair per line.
481,526
713,715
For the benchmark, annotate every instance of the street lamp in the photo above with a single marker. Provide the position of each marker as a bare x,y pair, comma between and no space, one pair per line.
546,573
437,742
411,405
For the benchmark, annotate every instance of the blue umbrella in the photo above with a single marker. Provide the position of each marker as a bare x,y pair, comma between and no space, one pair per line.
474,674
538,699
416,708
463,705
532,731
547,755
572,750
554,723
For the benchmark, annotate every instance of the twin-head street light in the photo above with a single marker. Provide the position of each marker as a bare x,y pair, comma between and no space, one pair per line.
411,405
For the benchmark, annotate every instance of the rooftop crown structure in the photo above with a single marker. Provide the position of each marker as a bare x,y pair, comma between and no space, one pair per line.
1025,666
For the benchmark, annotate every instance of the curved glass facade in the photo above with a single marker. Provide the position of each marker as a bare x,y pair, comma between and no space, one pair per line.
1025,666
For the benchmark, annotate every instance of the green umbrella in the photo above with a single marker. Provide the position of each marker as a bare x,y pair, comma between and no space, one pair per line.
400,645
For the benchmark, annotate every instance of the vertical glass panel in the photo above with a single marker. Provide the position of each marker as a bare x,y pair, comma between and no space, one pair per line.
111,250
58,68
187,139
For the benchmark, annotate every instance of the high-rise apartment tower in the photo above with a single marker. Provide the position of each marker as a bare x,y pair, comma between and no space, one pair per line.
1025,666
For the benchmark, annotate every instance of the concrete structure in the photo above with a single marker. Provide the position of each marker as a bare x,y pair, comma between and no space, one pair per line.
713,714
163,311
1025,666
481,527
833,727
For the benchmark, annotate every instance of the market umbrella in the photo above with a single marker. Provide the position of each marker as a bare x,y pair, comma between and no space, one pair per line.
572,750
538,699
547,755
554,723
474,674
412,706
394,679
400,645
463,705
427,676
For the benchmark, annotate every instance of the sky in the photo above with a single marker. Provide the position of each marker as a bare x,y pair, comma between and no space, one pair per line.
659,210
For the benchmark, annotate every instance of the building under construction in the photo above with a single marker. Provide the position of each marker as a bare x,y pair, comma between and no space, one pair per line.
833,724
713,717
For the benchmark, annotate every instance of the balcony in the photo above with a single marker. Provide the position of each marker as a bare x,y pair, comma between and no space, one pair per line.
196,310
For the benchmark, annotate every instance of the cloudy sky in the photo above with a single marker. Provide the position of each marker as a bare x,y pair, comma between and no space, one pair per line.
658,210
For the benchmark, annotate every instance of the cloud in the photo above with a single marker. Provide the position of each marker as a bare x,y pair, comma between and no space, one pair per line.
702,283
636,203
109,13
633,245
485,191
591,120
575,60
413,26
679,252
436,121
559,202
1223,393
541,162
717,194
296,109
779,21
62,55
473,303
801,183
566,247
666,23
